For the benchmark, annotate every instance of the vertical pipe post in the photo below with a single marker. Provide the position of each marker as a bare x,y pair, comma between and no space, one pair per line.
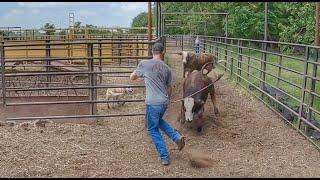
226,41
100,61
157,18
264,48
149,22
3,75
182,43
239,60
137,50
149,27
92,79
304,85
313,86
48,62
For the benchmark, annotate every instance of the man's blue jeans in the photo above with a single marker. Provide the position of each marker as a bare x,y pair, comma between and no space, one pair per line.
154,122
197,48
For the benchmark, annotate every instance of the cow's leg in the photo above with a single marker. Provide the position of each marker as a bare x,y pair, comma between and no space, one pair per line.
213,99
182,118
121,103
184,71
115,103
108,105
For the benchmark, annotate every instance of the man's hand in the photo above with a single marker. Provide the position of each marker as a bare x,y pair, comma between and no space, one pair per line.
133,76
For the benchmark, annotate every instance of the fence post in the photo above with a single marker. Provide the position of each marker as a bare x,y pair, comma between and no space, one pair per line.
239,60
119,50
279,75
100,61
226,54
303,88
217,49
92,79
137,50
204,45
312,89
263,68
3,75
48,62
182,42
279,69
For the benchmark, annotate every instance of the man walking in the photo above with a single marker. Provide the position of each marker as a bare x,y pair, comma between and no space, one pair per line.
197,45
157,77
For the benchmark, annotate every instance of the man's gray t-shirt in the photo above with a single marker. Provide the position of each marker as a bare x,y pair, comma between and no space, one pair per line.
157,76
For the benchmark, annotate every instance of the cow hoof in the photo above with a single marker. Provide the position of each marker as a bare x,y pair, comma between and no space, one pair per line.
199,129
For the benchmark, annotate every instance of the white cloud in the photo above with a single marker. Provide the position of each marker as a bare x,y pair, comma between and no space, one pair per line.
27,14
129,6
84,12
42,4
16,11
35,11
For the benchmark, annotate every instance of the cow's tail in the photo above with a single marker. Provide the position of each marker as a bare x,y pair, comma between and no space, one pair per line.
204,66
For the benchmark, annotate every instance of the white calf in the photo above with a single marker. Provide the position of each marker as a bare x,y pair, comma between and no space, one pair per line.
116,94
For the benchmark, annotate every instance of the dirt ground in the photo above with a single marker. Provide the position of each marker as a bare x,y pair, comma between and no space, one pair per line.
246,140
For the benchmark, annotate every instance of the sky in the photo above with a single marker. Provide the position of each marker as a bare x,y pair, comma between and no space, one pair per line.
36,14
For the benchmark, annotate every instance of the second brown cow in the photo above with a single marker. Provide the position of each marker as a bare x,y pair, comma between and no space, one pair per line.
192,61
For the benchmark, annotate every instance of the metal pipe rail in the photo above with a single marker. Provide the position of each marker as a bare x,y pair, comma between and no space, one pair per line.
75,102
76,58
279,102
75,87
74,43
73,117
216,45
90,73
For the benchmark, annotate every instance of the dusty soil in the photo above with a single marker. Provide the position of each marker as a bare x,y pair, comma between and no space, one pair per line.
245,140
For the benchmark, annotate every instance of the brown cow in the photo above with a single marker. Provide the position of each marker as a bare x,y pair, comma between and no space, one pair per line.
194,106
192,61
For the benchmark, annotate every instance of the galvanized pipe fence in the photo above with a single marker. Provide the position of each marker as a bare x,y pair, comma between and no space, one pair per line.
284,76
91,71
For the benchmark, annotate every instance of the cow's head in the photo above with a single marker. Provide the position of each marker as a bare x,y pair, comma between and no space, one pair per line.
192,107
186,56
129,90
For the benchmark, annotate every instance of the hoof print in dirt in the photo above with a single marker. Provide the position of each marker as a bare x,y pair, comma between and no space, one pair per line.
25,126
2,123
199,160
11,123
40,123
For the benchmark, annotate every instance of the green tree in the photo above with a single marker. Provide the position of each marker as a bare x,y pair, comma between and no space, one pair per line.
49,29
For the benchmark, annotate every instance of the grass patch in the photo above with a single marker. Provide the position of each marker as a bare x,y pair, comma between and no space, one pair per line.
292,72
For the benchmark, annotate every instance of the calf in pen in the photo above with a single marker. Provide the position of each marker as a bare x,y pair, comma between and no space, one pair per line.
117,94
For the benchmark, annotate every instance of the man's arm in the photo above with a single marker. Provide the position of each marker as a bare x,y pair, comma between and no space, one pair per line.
134,76
138,72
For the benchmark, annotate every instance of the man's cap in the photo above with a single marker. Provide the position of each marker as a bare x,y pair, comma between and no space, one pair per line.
157,47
